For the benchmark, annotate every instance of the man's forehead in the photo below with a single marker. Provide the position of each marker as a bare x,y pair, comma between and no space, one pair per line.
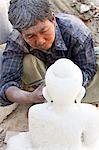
40,25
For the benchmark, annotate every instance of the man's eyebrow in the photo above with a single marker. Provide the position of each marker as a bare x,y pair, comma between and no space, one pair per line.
43,28
29,34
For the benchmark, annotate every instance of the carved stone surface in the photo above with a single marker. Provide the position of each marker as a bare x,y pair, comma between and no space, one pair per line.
62,123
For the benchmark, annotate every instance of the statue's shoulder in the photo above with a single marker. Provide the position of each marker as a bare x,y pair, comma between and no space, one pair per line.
89,110
39,111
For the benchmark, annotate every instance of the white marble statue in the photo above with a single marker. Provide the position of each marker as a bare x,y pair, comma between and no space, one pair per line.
63,123
5,25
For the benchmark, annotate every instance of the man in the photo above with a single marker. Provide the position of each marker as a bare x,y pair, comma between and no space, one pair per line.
40,38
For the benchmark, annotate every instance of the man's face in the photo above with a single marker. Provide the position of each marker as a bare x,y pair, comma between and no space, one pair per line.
40,36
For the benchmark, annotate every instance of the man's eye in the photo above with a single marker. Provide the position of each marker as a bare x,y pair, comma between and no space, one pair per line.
31,36
44,31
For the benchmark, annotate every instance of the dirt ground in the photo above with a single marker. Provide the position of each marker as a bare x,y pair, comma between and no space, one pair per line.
18,119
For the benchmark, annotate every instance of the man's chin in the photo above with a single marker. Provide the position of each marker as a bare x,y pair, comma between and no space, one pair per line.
45,48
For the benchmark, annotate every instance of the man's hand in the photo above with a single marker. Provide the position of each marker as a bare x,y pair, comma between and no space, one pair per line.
38,95
14,94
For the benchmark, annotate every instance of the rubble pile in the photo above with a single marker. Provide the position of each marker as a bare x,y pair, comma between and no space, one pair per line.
86,10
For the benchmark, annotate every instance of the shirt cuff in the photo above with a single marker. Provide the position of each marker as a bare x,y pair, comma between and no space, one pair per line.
3,99
86,79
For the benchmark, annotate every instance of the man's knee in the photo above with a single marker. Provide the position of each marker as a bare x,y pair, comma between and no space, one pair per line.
33,69
27,62
92,91
33,64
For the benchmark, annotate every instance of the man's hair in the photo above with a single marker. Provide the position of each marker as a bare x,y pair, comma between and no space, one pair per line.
23,13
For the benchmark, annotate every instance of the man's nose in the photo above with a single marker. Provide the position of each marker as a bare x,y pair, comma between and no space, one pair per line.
40,41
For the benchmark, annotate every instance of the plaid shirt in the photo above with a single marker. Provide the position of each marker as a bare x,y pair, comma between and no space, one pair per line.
73,40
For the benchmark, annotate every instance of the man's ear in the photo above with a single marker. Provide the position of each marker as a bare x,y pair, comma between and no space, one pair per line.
54,20
80,95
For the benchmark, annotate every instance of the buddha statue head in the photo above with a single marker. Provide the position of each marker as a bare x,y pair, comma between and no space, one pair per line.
63,81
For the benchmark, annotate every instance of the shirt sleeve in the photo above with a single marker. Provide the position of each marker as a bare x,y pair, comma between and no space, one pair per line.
84,57
11,70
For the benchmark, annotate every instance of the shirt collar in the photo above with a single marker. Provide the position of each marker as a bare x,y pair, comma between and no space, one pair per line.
59,42
17,38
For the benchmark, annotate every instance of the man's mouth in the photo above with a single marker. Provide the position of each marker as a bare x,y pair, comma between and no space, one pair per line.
43,47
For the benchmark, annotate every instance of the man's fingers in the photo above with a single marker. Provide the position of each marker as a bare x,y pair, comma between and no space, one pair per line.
40,99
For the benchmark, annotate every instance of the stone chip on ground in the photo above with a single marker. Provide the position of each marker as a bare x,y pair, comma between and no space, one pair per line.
1,129
5,111
9,134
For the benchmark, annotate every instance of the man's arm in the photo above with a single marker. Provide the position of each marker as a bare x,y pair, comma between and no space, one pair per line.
79,42
14,94
84,57
10,83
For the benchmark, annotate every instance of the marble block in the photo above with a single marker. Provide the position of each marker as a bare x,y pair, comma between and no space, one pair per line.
63,123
